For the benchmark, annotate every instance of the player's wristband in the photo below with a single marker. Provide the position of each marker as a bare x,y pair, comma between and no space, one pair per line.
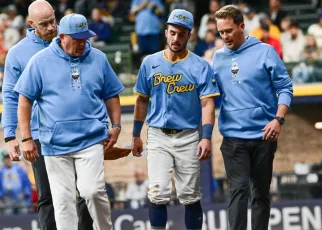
26,139
137,127
7,139
207,131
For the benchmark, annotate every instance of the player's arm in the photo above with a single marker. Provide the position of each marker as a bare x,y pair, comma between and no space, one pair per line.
29,147
143,89
207,91
140,112
10,105
113,107
208,120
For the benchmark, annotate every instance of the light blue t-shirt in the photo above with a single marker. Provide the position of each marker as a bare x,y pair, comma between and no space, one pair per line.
175,90
70,93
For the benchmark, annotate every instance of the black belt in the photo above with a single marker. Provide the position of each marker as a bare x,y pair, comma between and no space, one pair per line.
170,131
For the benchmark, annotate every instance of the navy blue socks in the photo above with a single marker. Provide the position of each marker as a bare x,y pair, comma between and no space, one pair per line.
193,216
158,215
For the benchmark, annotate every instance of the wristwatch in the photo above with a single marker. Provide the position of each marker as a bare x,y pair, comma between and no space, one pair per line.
117,126
281,120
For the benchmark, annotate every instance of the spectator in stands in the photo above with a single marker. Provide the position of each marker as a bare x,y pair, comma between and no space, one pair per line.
251,20
102,29
193,40
11,26
2,61
61,7
293,43
14,20
305,72
15,187
275,12
120,200
68,11
316,189
136,192
11,36
116,8
302,73
274,31
147,24
316,30
85,7
22,7
208,43
211,25
209,53
311,51
214,5
267,38
285,24
219,43
110,193
189,5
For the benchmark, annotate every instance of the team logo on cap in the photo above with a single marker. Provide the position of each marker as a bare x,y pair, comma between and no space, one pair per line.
81,25
181,17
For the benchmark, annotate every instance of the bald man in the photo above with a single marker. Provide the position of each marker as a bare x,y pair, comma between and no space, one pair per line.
44,29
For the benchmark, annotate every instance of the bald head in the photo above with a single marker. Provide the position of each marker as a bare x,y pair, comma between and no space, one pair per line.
42,18
39,7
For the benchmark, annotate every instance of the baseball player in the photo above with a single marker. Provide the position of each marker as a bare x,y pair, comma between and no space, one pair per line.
175,90
74,86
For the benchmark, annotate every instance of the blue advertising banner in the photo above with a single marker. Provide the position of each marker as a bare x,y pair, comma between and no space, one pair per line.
287,215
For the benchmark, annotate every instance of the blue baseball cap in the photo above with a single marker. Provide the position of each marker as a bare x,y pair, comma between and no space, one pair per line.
181,18
75,25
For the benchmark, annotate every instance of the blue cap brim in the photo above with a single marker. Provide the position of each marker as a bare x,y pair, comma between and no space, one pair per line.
83,35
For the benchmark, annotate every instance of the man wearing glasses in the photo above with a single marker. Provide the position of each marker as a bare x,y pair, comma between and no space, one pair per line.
72,84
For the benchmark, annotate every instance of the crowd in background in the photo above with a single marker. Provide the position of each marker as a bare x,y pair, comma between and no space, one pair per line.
17,186
274,27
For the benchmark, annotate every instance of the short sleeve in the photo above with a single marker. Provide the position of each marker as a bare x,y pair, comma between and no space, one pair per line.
142,87
112,84
207,86
30,83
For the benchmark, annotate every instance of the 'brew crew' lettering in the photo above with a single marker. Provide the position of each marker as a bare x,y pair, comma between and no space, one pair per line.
172,81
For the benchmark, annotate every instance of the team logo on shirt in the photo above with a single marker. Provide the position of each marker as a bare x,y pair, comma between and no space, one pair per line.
234,70
172,83
75,75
